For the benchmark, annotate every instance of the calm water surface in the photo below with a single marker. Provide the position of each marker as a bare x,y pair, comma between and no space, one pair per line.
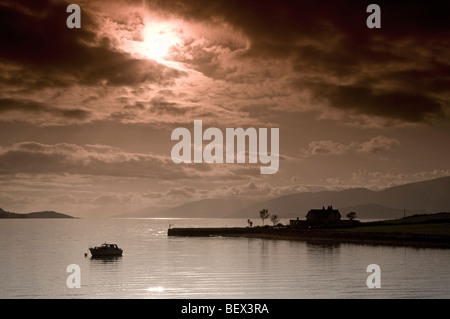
35,254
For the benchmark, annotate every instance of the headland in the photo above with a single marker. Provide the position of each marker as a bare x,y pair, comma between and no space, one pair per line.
421,231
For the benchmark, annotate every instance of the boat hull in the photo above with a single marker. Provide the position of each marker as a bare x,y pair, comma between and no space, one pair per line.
106,250
97,253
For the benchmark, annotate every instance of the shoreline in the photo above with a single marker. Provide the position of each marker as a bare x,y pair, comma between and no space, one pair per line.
319,235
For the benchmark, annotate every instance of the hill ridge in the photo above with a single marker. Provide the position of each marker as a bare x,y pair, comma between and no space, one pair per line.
429,196
41,214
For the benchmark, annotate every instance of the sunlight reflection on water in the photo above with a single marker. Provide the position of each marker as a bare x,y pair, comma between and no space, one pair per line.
37,252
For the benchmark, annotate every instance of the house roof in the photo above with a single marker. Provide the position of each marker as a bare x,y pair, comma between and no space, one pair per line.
323,212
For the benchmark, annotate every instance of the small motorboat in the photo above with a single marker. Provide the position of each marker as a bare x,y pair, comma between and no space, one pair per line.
106,250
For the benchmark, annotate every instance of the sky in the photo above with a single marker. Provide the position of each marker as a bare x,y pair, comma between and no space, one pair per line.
86,114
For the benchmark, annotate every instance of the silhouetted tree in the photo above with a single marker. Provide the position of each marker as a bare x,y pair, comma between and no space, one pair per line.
264,213
250,223
351,215
274,219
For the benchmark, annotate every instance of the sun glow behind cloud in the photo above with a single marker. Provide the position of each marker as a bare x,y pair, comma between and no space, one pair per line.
158,37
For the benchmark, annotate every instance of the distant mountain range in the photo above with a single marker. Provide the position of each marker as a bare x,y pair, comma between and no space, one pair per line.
197,209
431,196
44,214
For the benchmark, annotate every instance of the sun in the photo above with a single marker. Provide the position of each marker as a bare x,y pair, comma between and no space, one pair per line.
158,39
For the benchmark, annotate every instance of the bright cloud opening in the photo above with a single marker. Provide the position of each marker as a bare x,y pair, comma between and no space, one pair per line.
159,37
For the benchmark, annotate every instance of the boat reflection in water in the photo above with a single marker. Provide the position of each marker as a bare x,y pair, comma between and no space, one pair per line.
106,250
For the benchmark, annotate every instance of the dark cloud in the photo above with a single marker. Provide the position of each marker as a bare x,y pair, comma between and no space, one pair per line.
38,43
38,109
161,106
396,104
118,69
328,41
201,57
35,158
282,23
434,78
63,158
157,107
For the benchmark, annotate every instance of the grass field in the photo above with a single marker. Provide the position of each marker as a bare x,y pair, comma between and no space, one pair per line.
438,229
430,224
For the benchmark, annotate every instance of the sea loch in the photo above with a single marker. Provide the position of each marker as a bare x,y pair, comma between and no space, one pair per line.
37,252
